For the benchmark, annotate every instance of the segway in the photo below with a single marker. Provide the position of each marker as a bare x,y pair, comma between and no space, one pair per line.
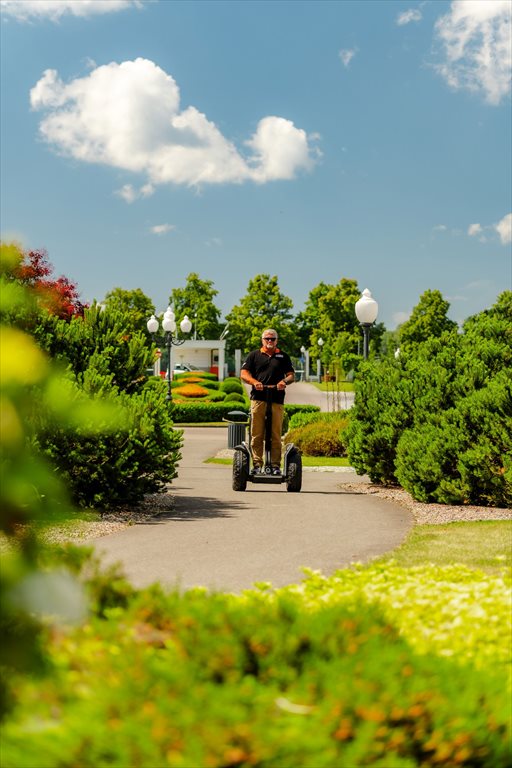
243,472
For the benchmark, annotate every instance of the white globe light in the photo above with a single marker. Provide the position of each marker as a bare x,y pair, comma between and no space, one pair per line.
169,323
186,325
152,324
366,308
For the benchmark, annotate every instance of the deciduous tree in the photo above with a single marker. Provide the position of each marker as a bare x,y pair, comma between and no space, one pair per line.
263,306
196,301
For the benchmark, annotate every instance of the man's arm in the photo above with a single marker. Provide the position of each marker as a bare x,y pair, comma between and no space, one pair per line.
246,376
289,378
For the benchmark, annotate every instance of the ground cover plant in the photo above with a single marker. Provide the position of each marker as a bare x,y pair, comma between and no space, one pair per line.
299,676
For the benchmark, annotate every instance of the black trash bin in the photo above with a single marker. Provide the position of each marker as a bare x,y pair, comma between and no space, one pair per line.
236,427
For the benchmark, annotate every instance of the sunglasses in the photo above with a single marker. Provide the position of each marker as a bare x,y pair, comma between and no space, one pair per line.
269,338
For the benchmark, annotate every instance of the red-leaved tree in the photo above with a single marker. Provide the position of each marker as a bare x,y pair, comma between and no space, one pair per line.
59,296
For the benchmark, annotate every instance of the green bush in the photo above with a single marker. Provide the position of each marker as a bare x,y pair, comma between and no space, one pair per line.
203,412
203,374
321,437
463,455
262,679
232,384
100,338
120,465
439,420
215,396
235,397
292,408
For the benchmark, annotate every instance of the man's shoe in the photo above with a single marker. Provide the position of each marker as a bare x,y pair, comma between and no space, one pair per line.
256,471
276,471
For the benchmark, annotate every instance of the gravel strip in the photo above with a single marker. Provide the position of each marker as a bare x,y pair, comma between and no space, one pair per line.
433,514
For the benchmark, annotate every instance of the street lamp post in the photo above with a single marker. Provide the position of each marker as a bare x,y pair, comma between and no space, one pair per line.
366,312
319,361
169,328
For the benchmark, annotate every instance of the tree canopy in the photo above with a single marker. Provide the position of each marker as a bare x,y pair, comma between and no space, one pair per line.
196,301
428,319
263,306
133,304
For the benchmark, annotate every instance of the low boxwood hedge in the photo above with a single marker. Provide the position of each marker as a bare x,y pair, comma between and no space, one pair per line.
206,411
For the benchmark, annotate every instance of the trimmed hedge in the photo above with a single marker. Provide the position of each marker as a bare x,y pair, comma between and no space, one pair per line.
203,412
206,411
232,385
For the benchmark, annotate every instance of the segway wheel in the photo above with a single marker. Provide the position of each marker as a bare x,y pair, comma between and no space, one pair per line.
240,471
294,474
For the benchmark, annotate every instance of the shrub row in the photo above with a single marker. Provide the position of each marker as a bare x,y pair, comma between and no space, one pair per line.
201,411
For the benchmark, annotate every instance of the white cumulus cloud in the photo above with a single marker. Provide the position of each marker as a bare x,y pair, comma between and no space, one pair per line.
129,194
474,230
347,54
504,229
128,116
476,44
28,10
406,17
162,229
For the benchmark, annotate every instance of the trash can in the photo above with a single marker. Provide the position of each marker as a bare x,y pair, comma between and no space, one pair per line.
237,422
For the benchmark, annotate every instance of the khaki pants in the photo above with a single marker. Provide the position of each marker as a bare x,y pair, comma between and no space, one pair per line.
258,410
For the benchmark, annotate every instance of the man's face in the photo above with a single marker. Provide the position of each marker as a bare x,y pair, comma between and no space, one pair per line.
269,340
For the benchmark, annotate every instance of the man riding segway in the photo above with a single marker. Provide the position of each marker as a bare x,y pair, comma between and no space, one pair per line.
269,371
267,367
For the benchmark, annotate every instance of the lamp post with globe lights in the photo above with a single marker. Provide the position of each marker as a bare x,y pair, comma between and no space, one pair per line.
169,328
320,343
366,312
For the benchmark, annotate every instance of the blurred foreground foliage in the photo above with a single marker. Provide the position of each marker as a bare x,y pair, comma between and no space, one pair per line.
438,420
330,672
78,384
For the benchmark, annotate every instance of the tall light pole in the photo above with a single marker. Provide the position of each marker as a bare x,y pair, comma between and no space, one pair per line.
366,312
320,343
169,328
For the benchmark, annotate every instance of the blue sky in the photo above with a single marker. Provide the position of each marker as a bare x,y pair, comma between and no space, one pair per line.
141,141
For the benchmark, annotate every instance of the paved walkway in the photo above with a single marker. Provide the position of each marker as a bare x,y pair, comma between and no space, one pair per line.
225,540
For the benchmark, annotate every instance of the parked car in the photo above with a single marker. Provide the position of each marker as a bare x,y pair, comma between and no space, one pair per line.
184,368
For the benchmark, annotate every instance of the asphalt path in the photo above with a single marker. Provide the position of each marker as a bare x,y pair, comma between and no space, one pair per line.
226,540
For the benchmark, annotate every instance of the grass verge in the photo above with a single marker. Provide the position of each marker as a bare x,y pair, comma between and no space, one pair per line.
307,461
485,545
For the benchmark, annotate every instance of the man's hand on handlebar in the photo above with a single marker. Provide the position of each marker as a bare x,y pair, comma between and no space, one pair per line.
258,385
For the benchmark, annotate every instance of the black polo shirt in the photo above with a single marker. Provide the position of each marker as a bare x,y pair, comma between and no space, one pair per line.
269,369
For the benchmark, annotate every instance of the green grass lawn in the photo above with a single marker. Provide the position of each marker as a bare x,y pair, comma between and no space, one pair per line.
486,545
307,461
332,386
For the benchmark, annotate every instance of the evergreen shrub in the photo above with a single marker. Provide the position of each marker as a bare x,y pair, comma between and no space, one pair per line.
232,384
438,420
235,397
120,465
